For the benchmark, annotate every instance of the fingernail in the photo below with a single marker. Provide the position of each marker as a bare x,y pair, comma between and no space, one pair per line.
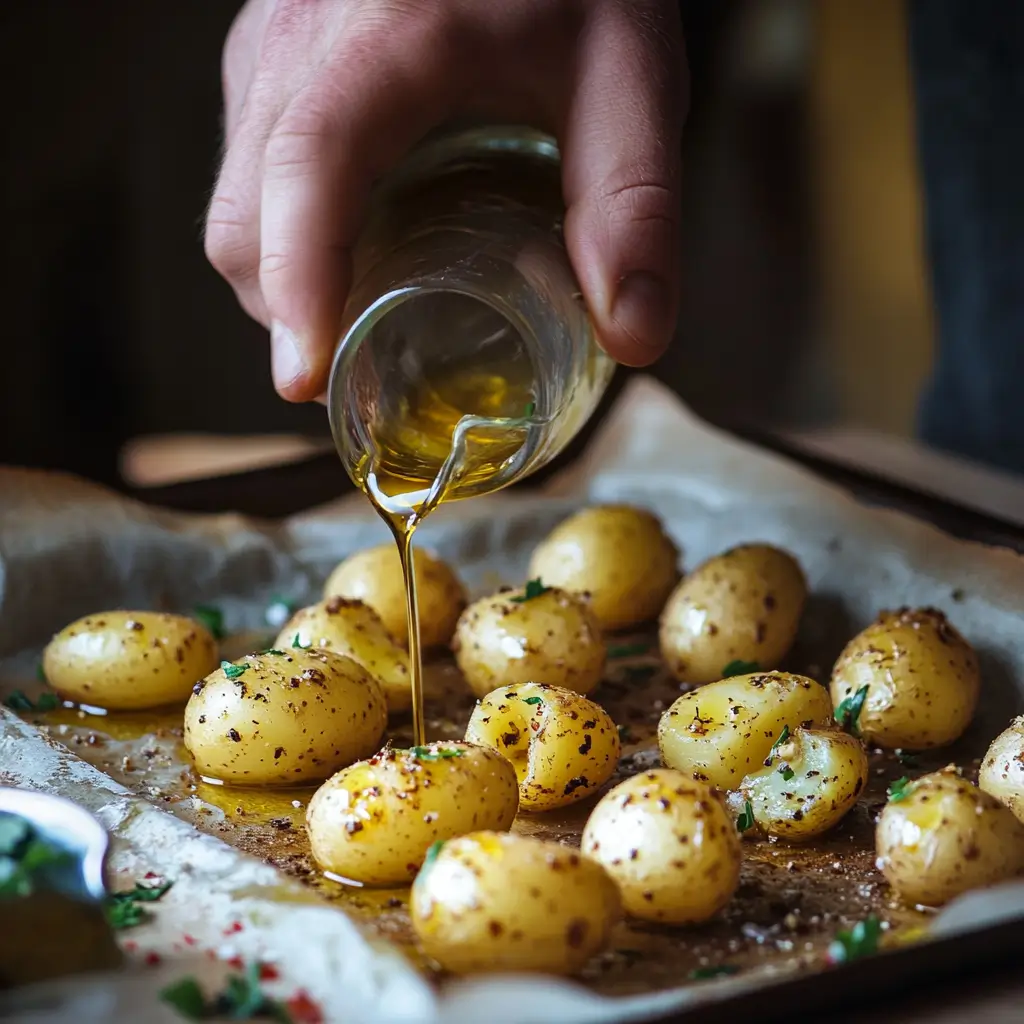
643,309
286,361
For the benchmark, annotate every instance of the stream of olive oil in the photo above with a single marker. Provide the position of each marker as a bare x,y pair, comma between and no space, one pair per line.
451,439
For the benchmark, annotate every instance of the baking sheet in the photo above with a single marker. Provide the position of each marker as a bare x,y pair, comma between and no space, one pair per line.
67,549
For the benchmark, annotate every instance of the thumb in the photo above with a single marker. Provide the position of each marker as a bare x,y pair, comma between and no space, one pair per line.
621,152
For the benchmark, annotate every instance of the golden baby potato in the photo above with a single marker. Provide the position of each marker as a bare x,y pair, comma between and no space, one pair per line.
375,576
669,843
721,732
620,556
374,821
741,606
534,634
920,677
353,628
1002,770
126,661
943,836
563,747
808,783
283,717
496,902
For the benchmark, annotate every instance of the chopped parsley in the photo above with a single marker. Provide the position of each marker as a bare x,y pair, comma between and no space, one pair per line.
440,754
211,617
533,700
628,650
860,940
786,772
24,857
907,758
783,736
124,910
231,670
279,611
746,820
849,709
531,408
740,668
297,642
899,790
242,998
432,851
18,701
40,673
721,971
534,588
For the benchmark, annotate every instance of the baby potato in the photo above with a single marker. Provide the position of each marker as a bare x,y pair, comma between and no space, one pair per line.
375,576
1002,770
283,717
744,605
374,821
618,555
921,675
536,633
563,747
669,843
491,901
125,661
945,836
354,629
721,731
808,783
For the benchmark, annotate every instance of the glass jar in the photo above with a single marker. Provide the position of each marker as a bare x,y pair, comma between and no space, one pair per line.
467,355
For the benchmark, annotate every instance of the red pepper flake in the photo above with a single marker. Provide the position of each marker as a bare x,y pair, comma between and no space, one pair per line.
131,945
152,959
236,927
150,874
189,939
236,961
303,1010
268,972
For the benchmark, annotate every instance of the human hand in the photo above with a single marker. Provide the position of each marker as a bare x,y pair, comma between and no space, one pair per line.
323,96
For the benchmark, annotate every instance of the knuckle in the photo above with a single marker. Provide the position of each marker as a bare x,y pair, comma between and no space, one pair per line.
297,141
638,201
229,240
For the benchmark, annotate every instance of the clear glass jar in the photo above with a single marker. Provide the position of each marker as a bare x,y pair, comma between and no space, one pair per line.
465,330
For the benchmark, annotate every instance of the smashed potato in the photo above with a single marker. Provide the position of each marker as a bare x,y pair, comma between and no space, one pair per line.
283,717
375,577
742,606
920,677
374,821
669,843
536,633
494,902
619,556
943,836
354,629
563,747
1002,770
720,732
809,782
126,661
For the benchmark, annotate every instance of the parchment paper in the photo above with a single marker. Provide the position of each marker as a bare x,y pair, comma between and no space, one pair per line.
68,549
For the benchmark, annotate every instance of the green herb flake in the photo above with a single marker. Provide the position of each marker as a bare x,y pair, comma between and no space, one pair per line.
783,736
534,588
272,650
905,757
746,820
24,855
861,940
432,851
212,618
849,709
721,971
786,772
47,702
628,650
13,832
297,642
40,673
186,997
242,998
439,754
231,670
531,408
740,668
899,790
17,701
124,910
533,700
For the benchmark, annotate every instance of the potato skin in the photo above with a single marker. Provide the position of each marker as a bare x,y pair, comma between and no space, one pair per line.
922,678
552,638
288,717
743,605
354,629
563,747
669,843
827,770
375,576
125,661
946,837
1002,770
494,902
721,732
618,555
374,821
